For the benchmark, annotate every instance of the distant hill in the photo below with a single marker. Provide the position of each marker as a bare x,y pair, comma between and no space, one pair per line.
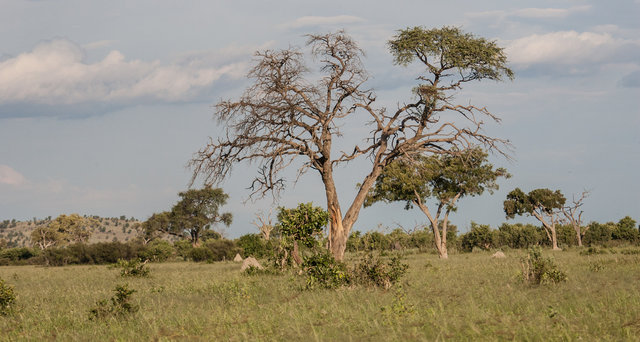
18,233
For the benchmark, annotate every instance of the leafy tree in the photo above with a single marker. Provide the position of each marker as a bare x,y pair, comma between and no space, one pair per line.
285,114
301,225
63,230
154,227
543,204
626,230
446,178
196,212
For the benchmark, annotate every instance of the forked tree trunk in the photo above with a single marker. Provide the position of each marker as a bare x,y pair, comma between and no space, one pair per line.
339,226
550,229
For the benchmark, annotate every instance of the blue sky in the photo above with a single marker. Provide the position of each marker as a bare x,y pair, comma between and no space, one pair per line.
102,104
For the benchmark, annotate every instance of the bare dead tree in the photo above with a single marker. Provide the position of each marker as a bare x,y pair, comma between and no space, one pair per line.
574,217
285,115
265,226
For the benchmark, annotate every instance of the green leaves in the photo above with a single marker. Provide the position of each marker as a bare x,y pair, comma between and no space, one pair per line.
449,48
542,200
303,223
441,176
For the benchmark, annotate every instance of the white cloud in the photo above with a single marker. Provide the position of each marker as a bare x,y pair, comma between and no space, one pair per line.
536,13
322,21
10,176
549,12
55,73
571,48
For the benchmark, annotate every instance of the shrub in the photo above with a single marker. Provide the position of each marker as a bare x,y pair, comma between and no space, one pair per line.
322,270
7,298
132,268
118,306
598,234
538,270
592,251
253,245
480,236
199,254
183,248
157,251
372,270
518,235
221,249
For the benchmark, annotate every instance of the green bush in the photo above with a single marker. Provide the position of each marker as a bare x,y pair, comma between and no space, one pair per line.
253,245
592,251
132,268
480,236
7,298
372,270
199,254
183,248
18,255
118,306
221,249
157,251
518,235
537,269
322,270
598,234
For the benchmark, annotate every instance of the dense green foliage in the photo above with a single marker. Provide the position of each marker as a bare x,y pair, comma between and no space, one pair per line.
119,306
538,270
7,298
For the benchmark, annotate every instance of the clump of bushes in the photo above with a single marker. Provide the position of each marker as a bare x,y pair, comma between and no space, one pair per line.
157,251
7,298
118,306
592,251
322,270
133,268
537,269
372,270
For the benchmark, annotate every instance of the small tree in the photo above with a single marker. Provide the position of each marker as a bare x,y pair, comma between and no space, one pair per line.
301,225
446,178
543,204
196,212
63,230
574,218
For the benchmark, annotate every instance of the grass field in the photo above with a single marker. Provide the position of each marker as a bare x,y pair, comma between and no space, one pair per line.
468,297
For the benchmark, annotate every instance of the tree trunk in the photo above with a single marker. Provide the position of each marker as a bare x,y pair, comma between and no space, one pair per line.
579,237
554,238
296,254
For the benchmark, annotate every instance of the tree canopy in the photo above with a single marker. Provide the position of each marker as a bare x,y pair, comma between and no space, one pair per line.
543,204
445,177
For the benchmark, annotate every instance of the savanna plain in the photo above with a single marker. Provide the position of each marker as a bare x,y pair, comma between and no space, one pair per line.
469,297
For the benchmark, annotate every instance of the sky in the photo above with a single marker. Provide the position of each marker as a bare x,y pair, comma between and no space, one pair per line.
102,104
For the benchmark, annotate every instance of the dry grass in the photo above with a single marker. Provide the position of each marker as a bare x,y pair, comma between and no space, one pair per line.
469,297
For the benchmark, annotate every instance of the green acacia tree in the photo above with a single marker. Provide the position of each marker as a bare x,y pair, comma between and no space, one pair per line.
303,225
445,178
154,227
197,211
543,204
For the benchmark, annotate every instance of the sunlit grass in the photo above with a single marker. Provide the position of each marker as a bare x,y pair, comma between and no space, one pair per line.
468,297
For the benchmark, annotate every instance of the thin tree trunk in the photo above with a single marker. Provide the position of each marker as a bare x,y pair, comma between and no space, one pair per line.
296,254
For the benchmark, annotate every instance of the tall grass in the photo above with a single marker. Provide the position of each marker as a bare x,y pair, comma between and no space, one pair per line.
468,297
